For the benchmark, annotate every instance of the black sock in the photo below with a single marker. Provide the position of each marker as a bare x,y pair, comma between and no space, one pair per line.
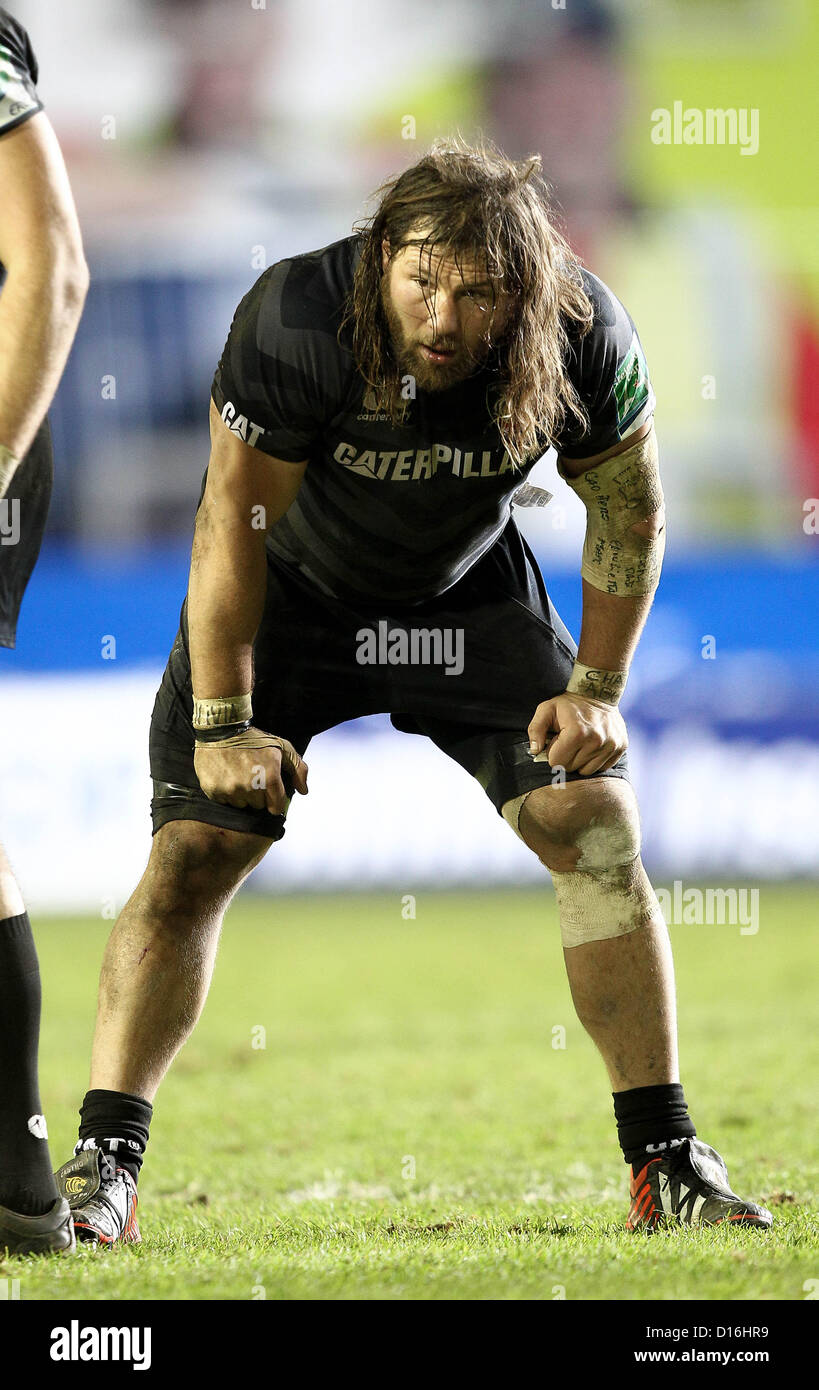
26,1180
649,1118
118,1124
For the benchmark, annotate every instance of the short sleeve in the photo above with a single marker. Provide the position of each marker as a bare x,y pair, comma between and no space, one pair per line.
610,373
270,386
18,75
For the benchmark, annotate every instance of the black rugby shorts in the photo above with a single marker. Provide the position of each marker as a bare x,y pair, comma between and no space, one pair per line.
24,512
515,652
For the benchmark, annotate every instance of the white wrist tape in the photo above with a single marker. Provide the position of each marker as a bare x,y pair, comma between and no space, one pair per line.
617,493
597,684
9,464
211,714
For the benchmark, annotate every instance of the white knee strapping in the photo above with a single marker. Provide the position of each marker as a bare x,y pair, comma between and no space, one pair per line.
608,893
602,903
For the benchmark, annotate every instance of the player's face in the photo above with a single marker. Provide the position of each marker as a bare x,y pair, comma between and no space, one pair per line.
444,319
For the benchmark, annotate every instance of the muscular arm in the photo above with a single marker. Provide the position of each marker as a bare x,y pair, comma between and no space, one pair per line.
614,616
622,556
226,598
47,279
228,567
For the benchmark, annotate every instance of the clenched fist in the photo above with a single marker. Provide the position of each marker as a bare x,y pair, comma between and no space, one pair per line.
252,769
581,735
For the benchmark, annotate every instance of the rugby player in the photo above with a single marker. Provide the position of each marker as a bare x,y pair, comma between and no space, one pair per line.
46,278
376,409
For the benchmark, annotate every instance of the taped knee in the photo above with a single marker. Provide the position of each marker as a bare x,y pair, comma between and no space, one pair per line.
603,835
608,894
600,904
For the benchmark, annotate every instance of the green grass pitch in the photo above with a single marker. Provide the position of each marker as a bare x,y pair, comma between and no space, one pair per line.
411,1127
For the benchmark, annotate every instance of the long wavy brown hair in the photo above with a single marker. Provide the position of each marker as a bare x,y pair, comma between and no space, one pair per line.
472,202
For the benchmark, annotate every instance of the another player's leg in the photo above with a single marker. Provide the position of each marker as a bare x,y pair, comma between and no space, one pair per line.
618,959
155,977
33,1217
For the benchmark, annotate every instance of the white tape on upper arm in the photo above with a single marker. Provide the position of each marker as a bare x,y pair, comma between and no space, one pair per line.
617,493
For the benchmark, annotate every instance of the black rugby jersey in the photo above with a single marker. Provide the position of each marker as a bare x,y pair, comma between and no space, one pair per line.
18,74
18,78
395,513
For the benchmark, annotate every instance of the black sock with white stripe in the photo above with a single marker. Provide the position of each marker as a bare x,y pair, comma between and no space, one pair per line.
26,1181
651,1121
117,1123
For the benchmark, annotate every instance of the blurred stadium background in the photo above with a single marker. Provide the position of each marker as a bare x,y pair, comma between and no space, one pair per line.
206,139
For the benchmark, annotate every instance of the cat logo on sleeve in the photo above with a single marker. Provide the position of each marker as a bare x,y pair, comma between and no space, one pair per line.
239,424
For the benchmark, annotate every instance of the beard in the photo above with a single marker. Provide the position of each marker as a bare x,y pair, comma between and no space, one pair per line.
431,376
